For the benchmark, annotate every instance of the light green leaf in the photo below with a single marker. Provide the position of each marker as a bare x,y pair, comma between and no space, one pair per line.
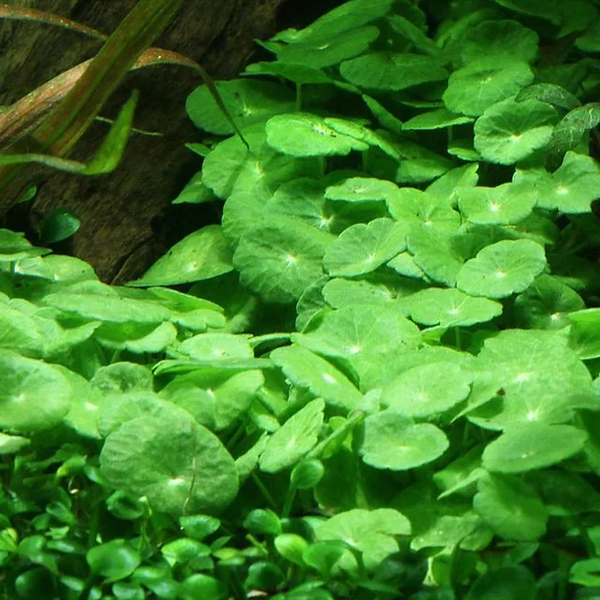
308,370
200,255
349,15
413,34
296,437
532,446
417,208
179,465
436,119
33,395
427,390
216,397
14,246
504,204
109,304
502,269
570,189
138,338
363,248
302,134
364,338
299,74
247,100
483,82
509,131
450,308
500,38
444,188
585,328
231,167
361,189
393,441
513,510
321,53
195,192
540,375
280,258
441,256
372,532
390,71
216,346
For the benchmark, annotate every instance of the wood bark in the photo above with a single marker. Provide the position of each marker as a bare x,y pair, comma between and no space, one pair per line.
125,222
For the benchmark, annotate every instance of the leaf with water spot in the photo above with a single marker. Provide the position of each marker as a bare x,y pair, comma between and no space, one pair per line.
303,134
180,466
296,437
483,82
532,446
307,370
501,269
510,131
450,308
541,378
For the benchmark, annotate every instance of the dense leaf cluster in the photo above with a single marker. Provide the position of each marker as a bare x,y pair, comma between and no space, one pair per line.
383,380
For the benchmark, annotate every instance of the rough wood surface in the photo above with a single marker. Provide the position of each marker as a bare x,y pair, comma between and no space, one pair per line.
121,212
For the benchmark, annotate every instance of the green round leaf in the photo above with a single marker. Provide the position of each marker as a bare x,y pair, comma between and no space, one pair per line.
372,532
331,51
178,464
483,82
502,269
279,259
390,71
500,38
501,205
392,441
33,395
532,446
296,437
307,474
247,100
570,189
203,586
114,560
436,119
450,308
427,389
546,303
363,248
302,134
509,131
59,225
512,509
200,255
308,370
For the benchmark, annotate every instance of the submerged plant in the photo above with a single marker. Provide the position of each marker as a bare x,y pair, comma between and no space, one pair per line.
383,380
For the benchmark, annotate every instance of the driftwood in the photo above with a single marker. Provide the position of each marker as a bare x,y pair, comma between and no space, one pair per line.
125,221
